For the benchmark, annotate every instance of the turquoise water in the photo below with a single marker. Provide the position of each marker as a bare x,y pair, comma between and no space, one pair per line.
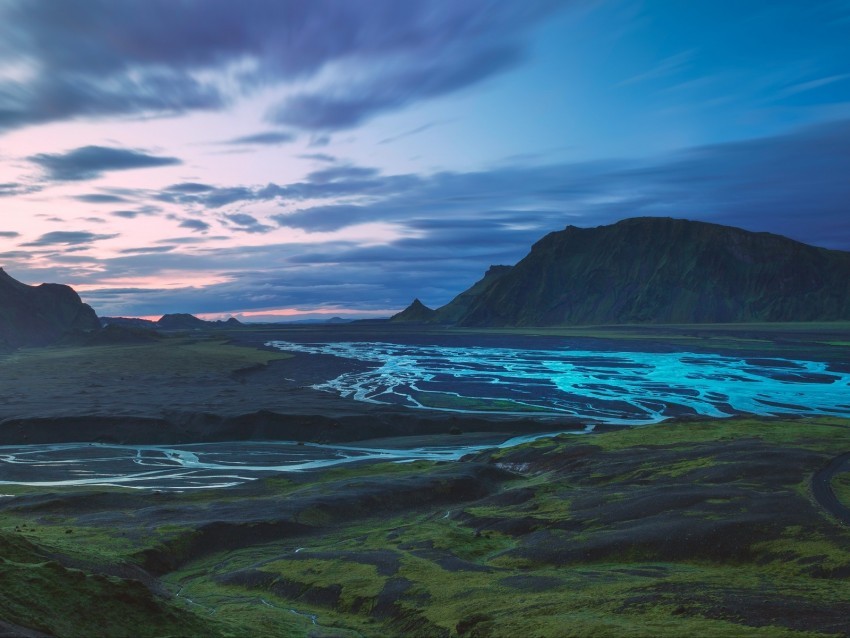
612,387
201,465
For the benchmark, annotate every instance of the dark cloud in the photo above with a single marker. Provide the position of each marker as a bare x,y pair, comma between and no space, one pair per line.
89,162
17,255
147,249
68,238
195,224
271,138
11,189
247,223
101,58
132,214
97,198
9,234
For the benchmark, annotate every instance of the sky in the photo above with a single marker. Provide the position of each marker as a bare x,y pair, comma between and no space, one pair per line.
290,159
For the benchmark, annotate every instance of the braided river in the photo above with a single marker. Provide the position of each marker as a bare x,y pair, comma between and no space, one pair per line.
595,387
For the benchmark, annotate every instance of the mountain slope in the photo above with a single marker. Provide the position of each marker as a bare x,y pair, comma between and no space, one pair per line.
455,310
40,315
661,270
416,312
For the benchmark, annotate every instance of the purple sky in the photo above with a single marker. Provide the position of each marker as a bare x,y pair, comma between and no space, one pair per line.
277,158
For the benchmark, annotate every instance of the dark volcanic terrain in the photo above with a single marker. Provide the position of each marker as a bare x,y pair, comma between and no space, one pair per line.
721,527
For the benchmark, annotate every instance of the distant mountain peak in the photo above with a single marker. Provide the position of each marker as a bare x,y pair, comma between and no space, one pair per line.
416,312
186,321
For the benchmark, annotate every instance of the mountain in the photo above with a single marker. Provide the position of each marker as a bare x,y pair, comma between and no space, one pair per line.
40,315
128,322
416,312
185,321
659,270
454,311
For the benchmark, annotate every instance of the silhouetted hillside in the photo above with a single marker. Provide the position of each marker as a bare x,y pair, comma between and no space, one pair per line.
40,315
185,321
660,270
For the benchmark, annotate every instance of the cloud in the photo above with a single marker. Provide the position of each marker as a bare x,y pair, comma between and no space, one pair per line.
270,138
100,59
68,238
195,224
318,157
9,234
146,250
344,107
132,214
11,189
90,162
247,223
97,198
415,131
327,218
189,188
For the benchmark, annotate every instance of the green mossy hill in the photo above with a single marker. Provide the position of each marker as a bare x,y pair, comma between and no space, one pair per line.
661,270
704,527
40,315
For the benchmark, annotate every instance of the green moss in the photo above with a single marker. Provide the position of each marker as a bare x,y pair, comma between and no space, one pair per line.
820,434
49,597
358,581
841,487
463,576
677,469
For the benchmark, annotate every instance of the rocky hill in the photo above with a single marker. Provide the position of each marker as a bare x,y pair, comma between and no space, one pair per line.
659,270
40,315
416,312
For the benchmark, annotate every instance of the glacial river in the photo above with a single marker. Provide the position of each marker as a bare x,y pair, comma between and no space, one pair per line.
599,386
201,465
592,386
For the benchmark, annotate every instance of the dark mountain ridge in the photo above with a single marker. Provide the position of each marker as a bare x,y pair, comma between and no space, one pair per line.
176,321
660,270
40,315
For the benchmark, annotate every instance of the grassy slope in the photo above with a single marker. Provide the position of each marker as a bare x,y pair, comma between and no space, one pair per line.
702,527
